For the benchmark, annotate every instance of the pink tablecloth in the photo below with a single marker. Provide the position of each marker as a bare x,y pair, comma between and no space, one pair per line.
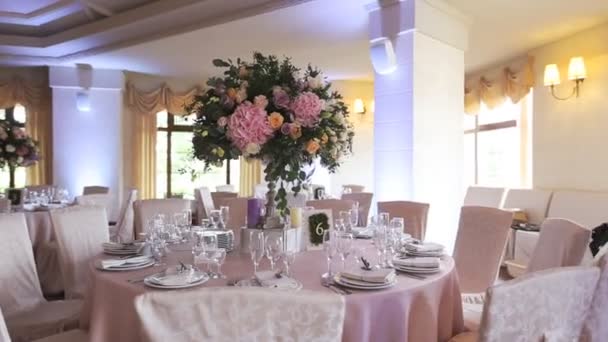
42,235
413,310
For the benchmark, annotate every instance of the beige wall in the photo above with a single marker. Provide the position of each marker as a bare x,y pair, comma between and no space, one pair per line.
570,138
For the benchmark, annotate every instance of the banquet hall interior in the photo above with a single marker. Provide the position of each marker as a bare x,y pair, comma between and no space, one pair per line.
303,170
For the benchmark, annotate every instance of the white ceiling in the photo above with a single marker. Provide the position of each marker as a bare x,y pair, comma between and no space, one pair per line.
332,34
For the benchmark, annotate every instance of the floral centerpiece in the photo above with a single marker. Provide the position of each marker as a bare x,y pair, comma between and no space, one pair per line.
270,110
17,149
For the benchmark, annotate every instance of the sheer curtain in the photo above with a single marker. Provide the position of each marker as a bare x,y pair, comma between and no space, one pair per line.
37,102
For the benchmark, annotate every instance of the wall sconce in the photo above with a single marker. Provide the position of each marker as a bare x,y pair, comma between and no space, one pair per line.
576,72
382,54
359,106
83,102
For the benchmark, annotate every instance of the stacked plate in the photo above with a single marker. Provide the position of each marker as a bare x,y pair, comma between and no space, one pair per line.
366,280
127,264
179,280
418,265
423,249
113,248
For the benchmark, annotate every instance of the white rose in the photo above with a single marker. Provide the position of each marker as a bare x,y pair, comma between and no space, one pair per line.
10,148
333,139
338,118
19,160
287,168
316,82
329,104
252,148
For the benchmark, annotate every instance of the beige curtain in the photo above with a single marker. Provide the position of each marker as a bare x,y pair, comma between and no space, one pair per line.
144,106
251,175
37,102
494,86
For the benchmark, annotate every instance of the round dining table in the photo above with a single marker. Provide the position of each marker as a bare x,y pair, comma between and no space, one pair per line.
414,309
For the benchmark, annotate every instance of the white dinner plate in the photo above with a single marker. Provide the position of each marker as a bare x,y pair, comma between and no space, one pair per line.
361,285
150,283
417,270
119,252
125,267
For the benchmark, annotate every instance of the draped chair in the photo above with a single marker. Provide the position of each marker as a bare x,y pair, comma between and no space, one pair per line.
365,202
241,314
484,197
95,189
4,337
549,305
80,232
123,230
101,200
561,243
28,315
220,198
335,205
354,188
595,328
414,215
145,210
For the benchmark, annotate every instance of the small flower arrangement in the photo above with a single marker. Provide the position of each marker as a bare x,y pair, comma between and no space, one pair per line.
269,110
17,149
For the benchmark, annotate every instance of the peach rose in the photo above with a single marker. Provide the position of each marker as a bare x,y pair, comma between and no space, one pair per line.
231,93
312,146
324,138
276,120
295,131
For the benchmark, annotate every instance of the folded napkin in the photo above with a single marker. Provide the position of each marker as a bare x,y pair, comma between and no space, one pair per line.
120,262
381,276
270,279
424,247
177,279
423,262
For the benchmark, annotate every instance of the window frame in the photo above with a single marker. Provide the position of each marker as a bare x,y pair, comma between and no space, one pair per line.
172,127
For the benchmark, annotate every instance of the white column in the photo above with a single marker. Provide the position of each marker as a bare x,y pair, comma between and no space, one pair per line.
87,145
418,147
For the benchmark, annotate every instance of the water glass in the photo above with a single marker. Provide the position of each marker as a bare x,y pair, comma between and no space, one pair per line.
218,259
344,244
225,215
205,223
339,225
256,248
289,257
354,217
345,217
329,247
383,219
216,218
274,248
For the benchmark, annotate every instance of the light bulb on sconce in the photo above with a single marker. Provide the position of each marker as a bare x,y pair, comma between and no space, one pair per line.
359,106
576,72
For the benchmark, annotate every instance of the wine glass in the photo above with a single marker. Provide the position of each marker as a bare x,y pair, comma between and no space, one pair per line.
205,223
225,215
380,243
383,219
339,225
219,257
198,247
354,217
256,248
344,246
216,218
330,249
345,217
289,257
274,248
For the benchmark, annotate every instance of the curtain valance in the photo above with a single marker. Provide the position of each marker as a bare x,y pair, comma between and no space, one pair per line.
493,87
163,98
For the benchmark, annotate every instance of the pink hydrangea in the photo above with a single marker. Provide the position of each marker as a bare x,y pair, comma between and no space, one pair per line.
248,124
307,108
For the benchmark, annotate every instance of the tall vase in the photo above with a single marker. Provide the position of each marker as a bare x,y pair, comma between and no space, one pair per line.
11,175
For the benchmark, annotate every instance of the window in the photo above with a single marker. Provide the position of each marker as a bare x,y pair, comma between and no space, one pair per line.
496,143
177,173
18,114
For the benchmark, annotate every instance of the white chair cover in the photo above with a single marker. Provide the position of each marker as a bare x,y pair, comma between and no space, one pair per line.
549,305
102,200
240,314
28,315
533,202
4,337
414,215
561,243
354,188
80,232
596,325
484,197
335,205
204,203
225,188
480,242
74,335
95,189
365,202
305,243
123,231
145,210
583,207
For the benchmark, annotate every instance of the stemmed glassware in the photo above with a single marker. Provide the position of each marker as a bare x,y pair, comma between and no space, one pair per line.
289,257
381,245
274,249
354,216
218,258
256,248
339,225
329,246
383,219
344,243
225,216
216,218
345,217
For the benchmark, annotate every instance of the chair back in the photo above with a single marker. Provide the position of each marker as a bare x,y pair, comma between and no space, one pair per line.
365,202
480,243
354,188
561,243
595,328
220,198
484,197
4,336
18,278
414,215
586,208
95,189
335,205
204,203
5,205
80,233
225,188
100,200
145,210
534,202
549,305
124,226
241,314
237,217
